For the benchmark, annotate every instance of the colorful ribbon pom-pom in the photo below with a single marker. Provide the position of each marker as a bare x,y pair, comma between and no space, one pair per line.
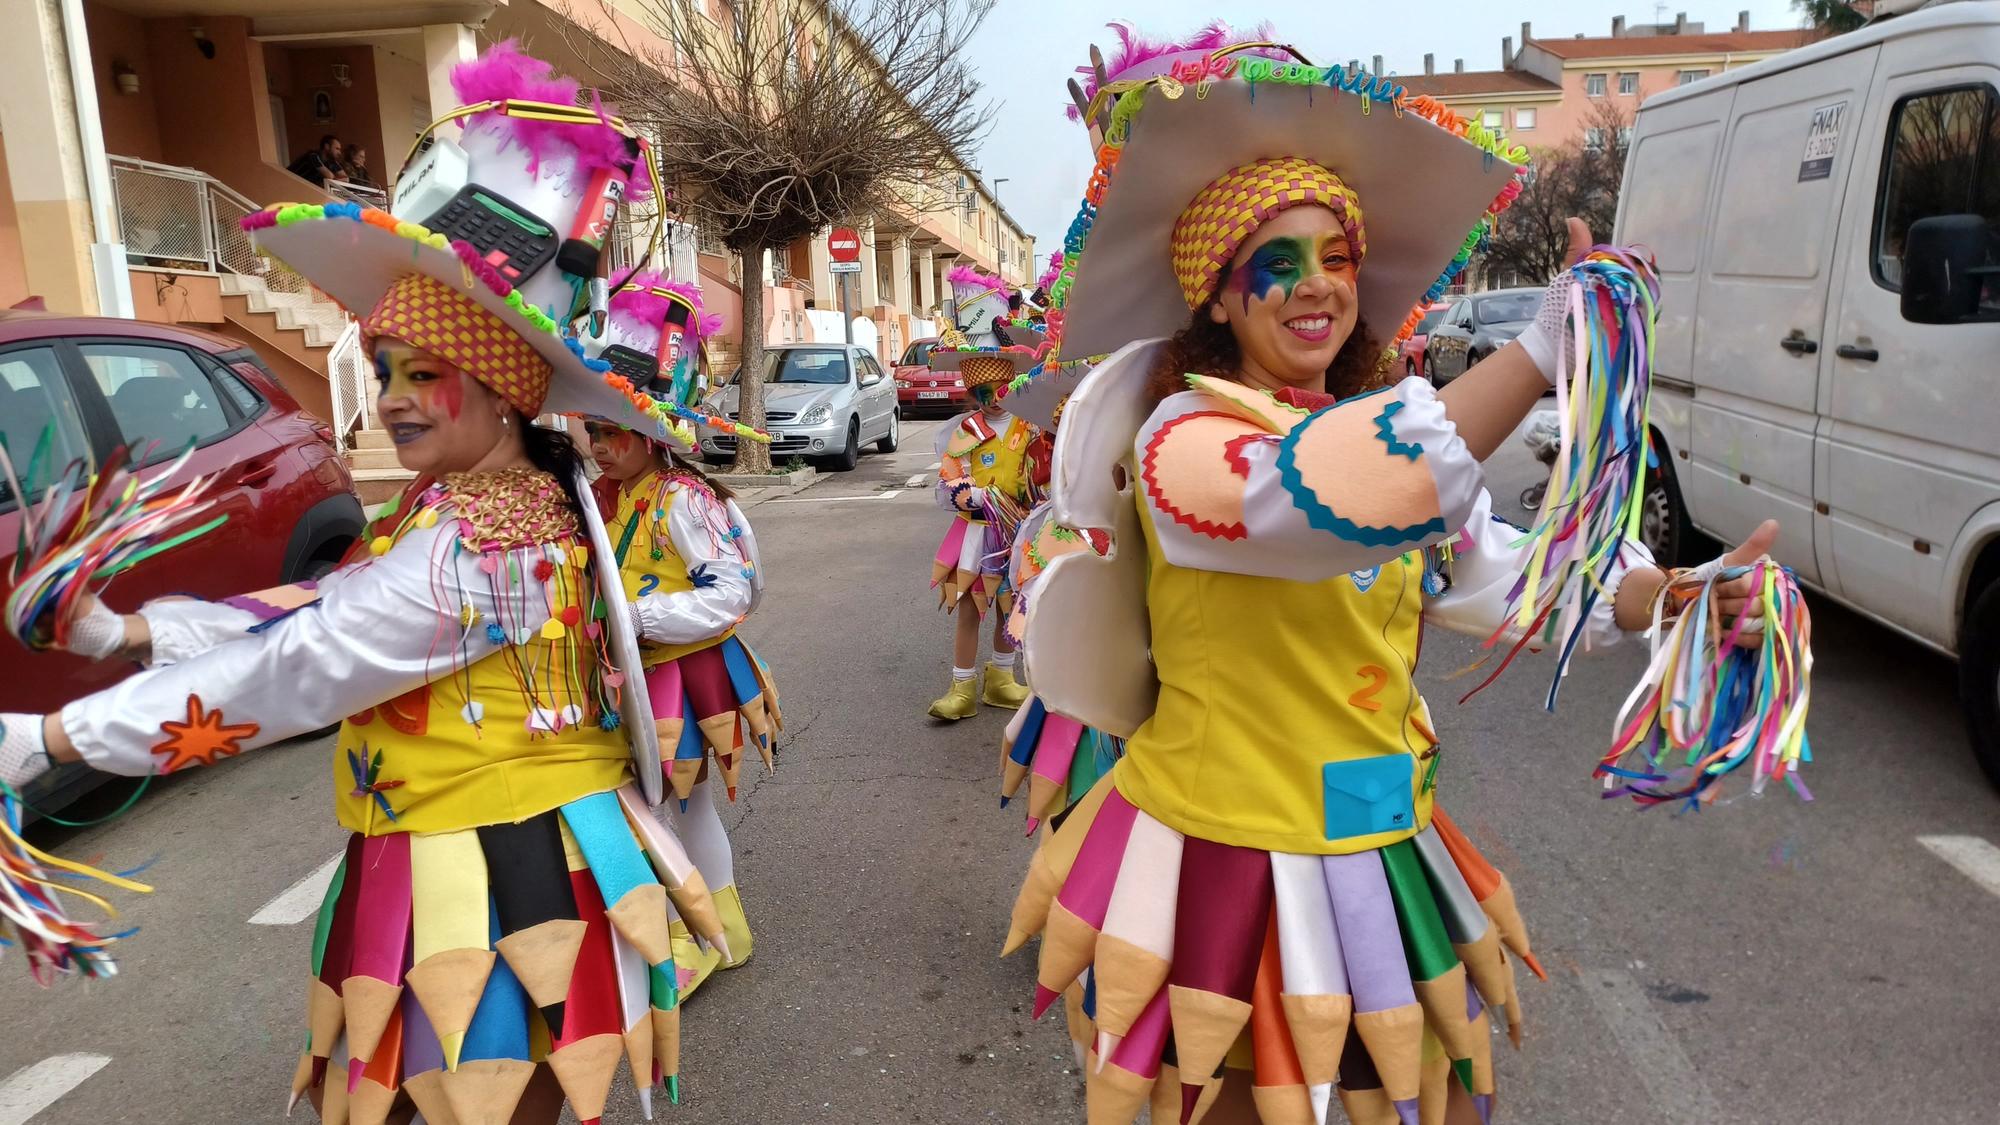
32,883
1718,696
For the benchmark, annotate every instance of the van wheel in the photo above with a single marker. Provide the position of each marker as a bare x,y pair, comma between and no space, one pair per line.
1979,680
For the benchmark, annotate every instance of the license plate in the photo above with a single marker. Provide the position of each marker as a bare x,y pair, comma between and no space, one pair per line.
933,394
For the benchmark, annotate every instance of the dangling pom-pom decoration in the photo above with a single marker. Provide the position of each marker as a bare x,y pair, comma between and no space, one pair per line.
1717,696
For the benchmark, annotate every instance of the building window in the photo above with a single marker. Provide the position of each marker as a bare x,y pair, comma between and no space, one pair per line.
1493,119
1688,76
1628,82
1524,119
1593,85
1944,159
1624,137
1593,140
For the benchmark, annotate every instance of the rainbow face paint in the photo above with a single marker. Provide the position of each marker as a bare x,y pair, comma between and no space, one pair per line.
433,384
1285,261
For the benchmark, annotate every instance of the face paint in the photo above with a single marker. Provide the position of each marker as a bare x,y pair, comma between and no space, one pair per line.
1284,262
432,383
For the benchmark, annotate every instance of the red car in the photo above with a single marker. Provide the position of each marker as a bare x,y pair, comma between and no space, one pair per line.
919,389
1413,348
102,383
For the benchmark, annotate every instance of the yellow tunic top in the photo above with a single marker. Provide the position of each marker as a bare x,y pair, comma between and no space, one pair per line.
975,454
649,562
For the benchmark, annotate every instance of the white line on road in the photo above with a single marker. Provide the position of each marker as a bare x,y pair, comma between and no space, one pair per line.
34,1088
1675,1088
917,480
836,499
1976,859
299,901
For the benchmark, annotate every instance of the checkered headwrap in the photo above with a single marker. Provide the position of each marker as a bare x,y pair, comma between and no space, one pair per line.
424,312
1232,207
979,370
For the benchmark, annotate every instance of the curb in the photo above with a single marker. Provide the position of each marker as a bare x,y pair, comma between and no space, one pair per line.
766,486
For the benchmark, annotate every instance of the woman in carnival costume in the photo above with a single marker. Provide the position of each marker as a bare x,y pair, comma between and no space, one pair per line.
983,482
1261,899
497,937
691,568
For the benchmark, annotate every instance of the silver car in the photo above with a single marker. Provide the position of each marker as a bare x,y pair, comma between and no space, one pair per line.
1475,327
823,401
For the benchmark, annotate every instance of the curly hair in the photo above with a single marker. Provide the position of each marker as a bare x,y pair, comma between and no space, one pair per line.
1204,347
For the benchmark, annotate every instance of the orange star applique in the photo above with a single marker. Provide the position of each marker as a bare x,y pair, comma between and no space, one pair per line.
202,740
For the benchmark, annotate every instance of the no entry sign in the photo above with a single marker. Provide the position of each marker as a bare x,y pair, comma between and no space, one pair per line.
844,244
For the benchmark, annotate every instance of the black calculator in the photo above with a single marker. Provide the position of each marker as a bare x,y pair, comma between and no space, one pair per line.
632,363
510,237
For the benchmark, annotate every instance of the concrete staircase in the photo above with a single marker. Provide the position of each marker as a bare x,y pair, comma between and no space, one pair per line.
377,475
317,320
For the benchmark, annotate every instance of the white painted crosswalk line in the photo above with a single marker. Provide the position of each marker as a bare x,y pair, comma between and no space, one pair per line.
1676,1090
916,480
34,1088
1976,859
299,901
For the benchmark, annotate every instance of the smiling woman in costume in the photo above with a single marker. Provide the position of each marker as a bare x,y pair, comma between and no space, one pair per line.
497,937
1261,898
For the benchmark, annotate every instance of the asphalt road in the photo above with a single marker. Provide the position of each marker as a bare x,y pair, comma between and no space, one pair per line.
1766,962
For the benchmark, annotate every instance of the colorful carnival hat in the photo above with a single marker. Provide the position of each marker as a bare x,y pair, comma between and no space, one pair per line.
653,333
978,367
510,218
1039,398
977,297
1245,135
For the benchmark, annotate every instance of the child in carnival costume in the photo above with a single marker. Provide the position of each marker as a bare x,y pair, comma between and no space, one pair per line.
1262,899
497,937
983,482
690,567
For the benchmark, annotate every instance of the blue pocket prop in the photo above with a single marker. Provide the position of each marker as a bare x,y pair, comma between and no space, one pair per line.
1369,795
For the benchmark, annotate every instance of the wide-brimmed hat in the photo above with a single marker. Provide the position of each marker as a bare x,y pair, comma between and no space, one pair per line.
1038,398
978,367
512,217
1424,176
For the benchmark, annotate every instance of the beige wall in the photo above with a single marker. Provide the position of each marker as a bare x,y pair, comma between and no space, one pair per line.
167,298
13,271
296,76
214,114
403,91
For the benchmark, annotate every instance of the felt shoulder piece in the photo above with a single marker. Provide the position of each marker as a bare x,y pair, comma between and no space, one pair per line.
1249,404
968,435
1193,465
508,509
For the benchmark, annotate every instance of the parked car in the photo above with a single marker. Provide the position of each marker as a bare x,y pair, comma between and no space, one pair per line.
823,401
919,389
1474,327
1413,348
1825,223
97,383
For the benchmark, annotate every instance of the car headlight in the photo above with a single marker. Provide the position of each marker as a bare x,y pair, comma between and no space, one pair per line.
816,415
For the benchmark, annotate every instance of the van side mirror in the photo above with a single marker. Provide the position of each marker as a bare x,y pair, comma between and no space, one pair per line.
1944,268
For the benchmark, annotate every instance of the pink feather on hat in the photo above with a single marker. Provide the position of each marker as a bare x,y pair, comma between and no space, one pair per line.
503,72
1135,49
973,275
638,306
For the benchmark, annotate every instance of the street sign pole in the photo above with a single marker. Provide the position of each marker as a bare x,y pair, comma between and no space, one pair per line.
843,251
846,311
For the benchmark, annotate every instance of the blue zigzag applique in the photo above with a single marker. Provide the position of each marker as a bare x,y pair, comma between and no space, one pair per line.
1386,430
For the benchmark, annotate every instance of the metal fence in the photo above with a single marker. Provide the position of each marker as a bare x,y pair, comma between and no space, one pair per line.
185,219
349,385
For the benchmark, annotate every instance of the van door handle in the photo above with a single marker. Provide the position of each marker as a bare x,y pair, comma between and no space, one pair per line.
1797,344
1855,351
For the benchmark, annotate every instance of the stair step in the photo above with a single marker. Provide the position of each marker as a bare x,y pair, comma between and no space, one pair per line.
372,439
364,459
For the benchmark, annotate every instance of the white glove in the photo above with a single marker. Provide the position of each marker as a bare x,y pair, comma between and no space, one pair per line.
1545,340
98,633
23,757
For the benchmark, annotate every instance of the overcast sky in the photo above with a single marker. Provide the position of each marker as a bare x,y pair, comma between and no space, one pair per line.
1027,48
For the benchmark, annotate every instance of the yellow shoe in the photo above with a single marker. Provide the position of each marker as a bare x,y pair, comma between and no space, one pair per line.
1002,689
735,927
692,963
961,702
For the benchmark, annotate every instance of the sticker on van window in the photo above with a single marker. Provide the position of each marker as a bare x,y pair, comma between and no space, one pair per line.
1822,141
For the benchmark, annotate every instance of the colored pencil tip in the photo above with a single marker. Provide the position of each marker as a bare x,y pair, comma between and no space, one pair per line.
1106,1043
645,1101
453,1043
1044,996
1535,966
1034,822
354,1067
674,1088
732,792
1190,1095
684,804
1004,798
721,945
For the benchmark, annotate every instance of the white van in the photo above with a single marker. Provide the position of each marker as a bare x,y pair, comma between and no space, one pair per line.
1829,345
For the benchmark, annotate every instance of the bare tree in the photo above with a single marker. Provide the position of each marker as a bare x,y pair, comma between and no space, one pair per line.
1833,16
774,119
1581,177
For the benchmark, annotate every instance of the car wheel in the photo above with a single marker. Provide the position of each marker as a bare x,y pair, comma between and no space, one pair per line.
850,454
895,435
1409,368
1979,679
1430,369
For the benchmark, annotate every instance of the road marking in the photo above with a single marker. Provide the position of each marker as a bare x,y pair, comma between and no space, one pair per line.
917,481
1675,1088
34,1088
299,901
836,499
1976,859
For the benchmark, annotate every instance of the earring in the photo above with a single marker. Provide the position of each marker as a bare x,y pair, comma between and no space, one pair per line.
505,420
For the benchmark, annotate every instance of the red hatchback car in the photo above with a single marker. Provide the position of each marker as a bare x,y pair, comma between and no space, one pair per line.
98,383
1413,348
919,389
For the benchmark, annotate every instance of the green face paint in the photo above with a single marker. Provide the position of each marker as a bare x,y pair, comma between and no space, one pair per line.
1284,262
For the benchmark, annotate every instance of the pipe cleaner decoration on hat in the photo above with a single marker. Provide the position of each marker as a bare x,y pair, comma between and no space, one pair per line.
653,336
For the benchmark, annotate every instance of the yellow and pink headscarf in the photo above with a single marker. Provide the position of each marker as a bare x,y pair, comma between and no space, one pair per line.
424,312
1231,208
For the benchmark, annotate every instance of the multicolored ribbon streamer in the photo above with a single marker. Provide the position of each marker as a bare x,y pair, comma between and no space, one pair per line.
1592,506
1709,705
31,910
88,527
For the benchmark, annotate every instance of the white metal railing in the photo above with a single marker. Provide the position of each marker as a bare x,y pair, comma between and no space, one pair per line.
347,370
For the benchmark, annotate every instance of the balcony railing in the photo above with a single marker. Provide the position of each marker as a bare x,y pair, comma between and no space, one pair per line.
186,219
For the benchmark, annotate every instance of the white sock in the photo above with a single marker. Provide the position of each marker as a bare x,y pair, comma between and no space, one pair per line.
1008,660
958,673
